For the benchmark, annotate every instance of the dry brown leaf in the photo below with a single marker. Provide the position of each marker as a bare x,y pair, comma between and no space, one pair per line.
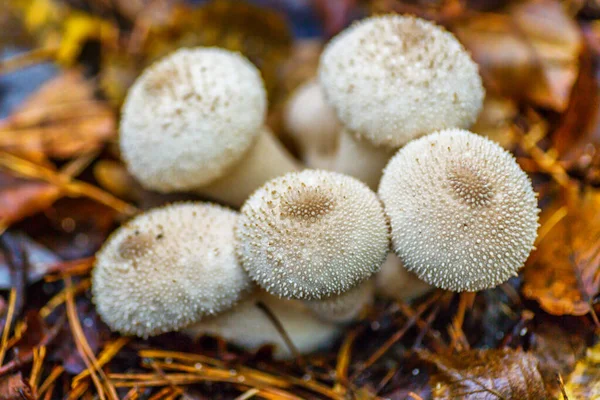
485,375
584,382
61,120
14,387
558,347
563,274
529,52
20,198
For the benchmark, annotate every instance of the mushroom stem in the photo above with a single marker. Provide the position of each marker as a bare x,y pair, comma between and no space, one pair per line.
360,159
396,282
266,159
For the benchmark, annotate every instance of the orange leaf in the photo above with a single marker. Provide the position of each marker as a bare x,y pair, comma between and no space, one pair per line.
529,52
563,275
485,374
61,120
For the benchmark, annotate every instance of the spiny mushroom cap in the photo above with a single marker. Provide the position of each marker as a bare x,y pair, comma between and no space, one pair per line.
248,326
190,117
345,307
394,78
168,268
312,234
464,215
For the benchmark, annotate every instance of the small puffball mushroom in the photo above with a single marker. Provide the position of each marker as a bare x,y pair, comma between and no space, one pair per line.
312,234
191,118
168,268
249,327
396,282
313,125
394,78
347,306
464,215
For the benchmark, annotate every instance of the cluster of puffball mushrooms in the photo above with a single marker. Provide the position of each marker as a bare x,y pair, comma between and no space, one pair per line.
388,112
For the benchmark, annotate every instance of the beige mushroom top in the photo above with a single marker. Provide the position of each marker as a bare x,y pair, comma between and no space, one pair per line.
168,268
394,78
190,117
312,234
464,215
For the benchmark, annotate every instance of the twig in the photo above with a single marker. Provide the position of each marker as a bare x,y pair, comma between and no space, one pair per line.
83,346
6,328
280,328
396,337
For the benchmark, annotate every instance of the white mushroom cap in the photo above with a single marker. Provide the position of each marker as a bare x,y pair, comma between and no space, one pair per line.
168,268
190,117
394,78
312,124
464,215
249,327
312,234
345,307
396,282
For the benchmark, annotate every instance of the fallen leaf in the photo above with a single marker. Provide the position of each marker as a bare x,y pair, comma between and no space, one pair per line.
529,52
40,261
485,374
14,387
61,120
558,347
563,273
20,198
584,382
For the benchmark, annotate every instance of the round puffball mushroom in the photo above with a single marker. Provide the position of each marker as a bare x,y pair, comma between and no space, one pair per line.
191,119
464,215
347,306
394,78
313,125
312,234
396,282
249,327
168,268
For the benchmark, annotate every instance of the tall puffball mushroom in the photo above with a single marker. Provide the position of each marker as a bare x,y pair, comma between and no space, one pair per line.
249,327
194,120
392,79
168,268
464,215
312,234
313,125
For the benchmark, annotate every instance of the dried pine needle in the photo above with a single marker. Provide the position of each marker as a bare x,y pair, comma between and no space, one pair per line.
9,316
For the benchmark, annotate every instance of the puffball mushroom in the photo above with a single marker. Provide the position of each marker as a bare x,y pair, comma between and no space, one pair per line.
395,78
464,215
313,125
345,307
168,268
191,120
249,327
311,234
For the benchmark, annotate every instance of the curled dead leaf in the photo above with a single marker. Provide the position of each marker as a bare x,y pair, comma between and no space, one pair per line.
485,374
529,52
563,274
61,120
